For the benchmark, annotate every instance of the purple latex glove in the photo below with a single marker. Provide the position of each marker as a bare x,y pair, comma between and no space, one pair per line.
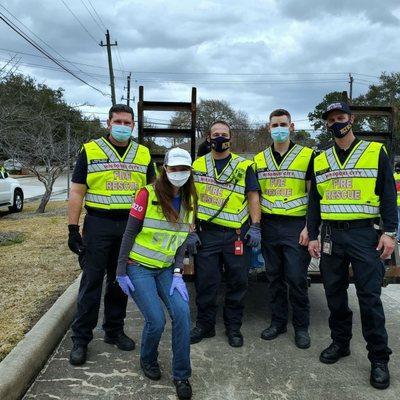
180,286
126,284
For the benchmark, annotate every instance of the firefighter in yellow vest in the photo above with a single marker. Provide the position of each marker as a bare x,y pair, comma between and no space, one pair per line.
228,226
150,264
108,172
284,171
352,186
396,176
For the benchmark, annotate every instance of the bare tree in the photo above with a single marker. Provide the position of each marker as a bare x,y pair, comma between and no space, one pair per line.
38,146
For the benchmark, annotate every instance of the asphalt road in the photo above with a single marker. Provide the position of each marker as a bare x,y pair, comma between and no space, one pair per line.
257,371
33,188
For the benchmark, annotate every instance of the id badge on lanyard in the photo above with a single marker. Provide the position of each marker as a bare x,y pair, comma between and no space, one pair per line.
238,244
327,243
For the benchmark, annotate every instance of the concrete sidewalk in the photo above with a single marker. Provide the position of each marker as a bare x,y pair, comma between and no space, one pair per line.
259,370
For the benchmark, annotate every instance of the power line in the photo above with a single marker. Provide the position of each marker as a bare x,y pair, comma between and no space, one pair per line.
71,62
98,16
79,21
247,82
44,52
55,68
196,73
41,40
94,19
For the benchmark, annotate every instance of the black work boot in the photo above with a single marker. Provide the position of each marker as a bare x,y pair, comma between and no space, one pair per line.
272,332
78,354
235,338
302,339
183,389
151,370
333,353
197,334
122,341
380,377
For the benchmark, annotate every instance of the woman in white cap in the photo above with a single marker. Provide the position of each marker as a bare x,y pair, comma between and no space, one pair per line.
151,261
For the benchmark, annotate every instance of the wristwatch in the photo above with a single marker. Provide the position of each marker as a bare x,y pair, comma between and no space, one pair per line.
391,234
177,271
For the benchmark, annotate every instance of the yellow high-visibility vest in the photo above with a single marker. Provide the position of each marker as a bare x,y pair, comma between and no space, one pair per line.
156,244
283,187
348,190
213,189
396,176
113,180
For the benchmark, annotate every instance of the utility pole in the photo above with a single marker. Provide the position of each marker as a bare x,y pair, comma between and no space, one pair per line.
128,91
351,87
110,66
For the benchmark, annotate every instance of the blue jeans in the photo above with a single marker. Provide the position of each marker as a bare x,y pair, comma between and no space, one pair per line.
151,287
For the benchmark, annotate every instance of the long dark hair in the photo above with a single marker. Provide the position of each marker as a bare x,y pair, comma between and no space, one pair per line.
165,194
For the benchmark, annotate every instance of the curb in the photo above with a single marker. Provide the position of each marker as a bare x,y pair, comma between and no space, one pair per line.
38,197
25,361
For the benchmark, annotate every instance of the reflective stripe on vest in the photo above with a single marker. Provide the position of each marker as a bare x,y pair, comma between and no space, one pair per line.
113,199
156,244
113,180
283,187
348,191
213,189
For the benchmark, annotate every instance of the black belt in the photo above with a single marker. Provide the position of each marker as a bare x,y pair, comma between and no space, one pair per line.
279,217
206,226
346,225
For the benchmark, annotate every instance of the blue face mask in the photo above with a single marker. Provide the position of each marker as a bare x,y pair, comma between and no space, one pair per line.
280,134
121,133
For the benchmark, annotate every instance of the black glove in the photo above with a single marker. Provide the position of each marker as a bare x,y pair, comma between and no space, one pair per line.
192,242
75,242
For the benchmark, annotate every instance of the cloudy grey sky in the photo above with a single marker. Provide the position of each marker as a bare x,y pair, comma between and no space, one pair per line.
257,55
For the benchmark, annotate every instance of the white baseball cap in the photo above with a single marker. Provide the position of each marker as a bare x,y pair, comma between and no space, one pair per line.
177,156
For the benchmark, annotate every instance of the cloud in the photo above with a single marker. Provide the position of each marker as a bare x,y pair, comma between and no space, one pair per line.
285,53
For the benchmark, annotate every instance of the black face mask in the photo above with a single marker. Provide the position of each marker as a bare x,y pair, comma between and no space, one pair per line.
220,144
340,129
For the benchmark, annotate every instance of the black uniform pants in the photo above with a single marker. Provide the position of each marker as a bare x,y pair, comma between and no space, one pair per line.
358,247
218,249
286,264
102,238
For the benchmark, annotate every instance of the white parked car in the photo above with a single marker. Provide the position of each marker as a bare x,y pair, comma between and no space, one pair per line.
11,194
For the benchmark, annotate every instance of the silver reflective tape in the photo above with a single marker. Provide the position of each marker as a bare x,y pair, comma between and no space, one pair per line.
357,154
107,150
166,225
108,200
230,169
153,254
226,176
268,159
209,165
349,208
132,151
285,205
331,159
290,157
347,173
